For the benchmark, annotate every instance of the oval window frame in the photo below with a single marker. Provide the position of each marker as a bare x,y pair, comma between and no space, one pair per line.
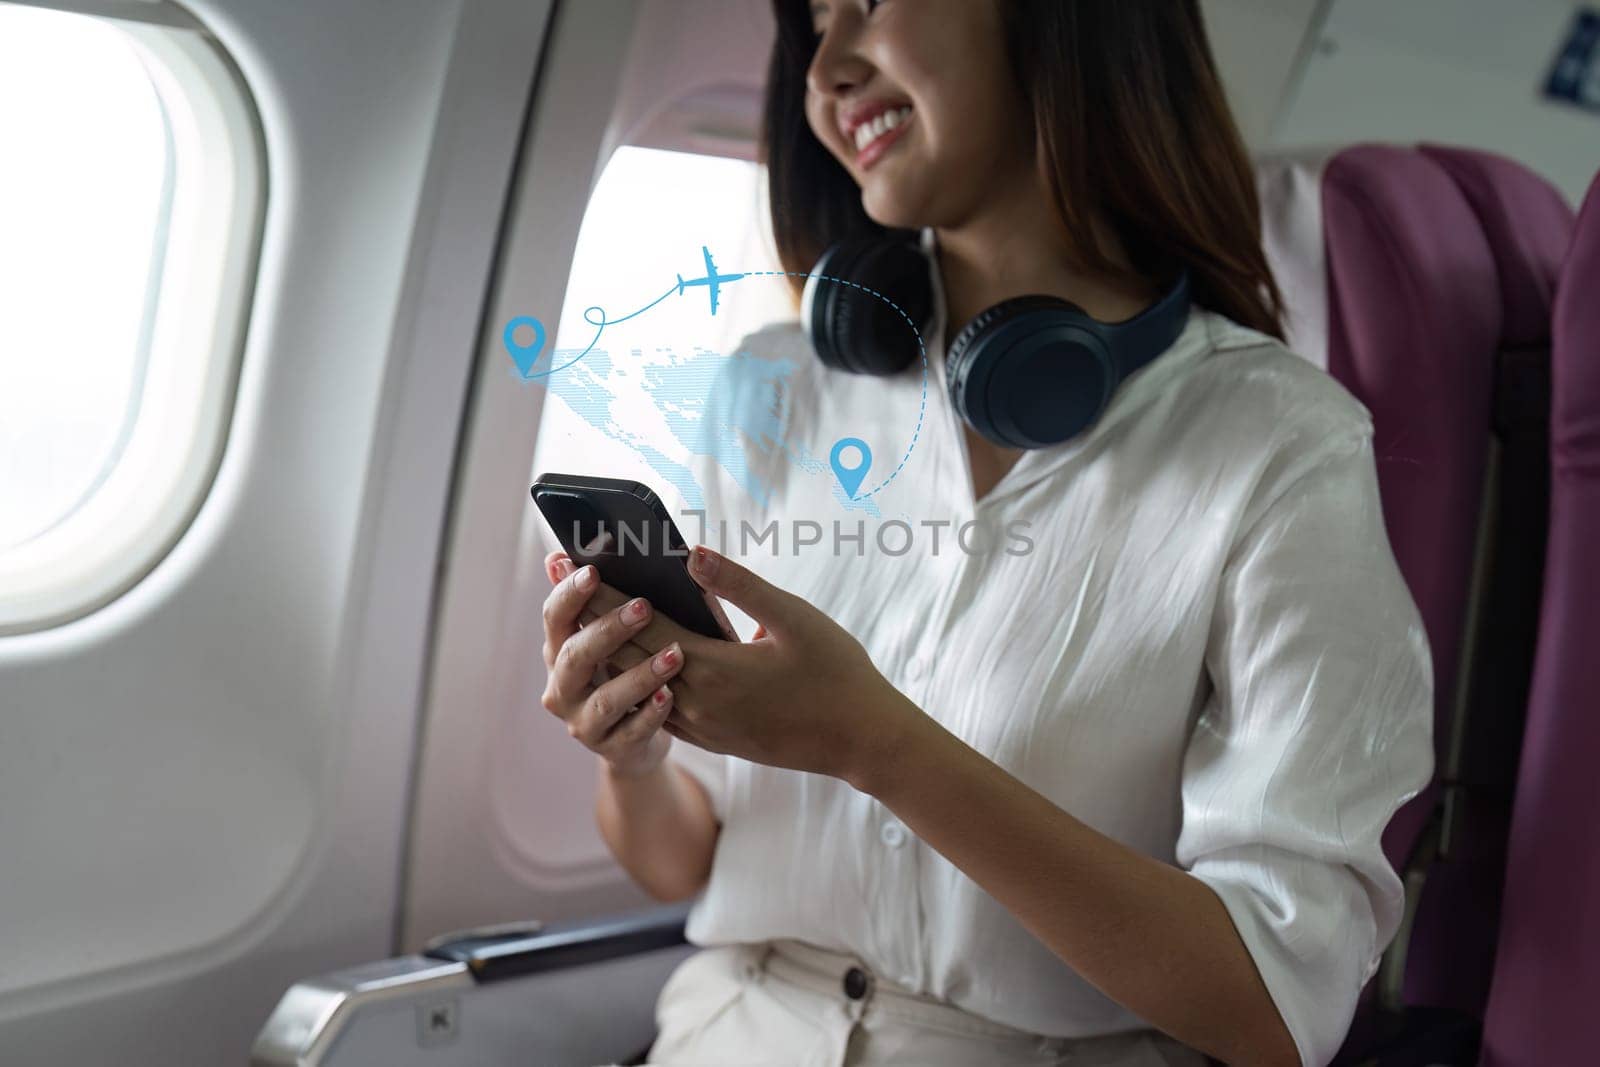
150,493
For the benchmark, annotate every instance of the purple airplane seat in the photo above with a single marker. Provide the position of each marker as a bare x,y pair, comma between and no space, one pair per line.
1529,225
1392,288
1394,282
1546,990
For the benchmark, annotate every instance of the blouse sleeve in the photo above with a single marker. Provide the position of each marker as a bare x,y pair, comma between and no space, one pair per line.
708,768
1318,727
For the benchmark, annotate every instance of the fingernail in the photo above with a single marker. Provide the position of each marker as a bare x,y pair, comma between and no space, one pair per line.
666,659
634,610
659,697
704,562
587,577
566,567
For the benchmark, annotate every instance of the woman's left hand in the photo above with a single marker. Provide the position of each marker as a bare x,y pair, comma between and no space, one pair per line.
802,694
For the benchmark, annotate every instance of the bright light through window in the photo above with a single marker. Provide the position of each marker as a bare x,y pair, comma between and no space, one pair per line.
84,195
131,192
650,215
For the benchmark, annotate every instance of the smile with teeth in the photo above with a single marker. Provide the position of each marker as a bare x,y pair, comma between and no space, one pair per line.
884,123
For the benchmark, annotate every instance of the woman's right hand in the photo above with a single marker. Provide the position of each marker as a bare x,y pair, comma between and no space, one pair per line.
603,717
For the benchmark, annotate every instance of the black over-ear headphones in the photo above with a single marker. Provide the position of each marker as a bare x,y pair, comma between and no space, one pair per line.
1029,372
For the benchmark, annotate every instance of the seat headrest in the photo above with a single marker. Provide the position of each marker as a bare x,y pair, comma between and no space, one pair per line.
1529,227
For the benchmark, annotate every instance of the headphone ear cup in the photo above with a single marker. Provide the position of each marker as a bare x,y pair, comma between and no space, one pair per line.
865,303
1030,372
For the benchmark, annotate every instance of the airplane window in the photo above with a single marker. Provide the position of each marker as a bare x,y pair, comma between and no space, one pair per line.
129,205
81,236
652,217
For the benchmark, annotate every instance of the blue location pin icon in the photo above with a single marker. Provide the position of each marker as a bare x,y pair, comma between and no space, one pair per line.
850,477
525,356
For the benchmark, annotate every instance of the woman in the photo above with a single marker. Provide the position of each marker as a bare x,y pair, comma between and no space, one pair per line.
1115,797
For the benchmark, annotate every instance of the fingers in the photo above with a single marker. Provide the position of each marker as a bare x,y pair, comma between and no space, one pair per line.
657,634
603,680
581,653
597,724
714,602
761,600
553,565
631,741
628,656
565,601
708,665
681,694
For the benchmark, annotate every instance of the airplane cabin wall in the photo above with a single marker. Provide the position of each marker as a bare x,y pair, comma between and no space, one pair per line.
1260,48
1465,72
203,784
502,824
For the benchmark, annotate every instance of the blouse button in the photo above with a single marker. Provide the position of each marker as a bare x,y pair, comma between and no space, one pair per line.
855,983
893,834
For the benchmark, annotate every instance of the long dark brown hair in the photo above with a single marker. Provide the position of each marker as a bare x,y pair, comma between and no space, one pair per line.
1134,127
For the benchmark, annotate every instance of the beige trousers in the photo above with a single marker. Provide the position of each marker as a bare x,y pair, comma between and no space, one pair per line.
789,1003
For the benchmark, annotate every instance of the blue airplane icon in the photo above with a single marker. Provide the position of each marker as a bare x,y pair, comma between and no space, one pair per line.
712,279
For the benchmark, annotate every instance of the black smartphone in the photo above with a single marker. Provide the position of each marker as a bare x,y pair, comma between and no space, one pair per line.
625,531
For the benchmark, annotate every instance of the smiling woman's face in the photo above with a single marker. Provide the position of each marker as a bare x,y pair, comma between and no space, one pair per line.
915,98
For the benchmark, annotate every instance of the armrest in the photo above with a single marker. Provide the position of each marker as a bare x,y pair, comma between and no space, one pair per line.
495,955
579,992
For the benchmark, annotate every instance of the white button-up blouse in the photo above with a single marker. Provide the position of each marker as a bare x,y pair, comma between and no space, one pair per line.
1186,628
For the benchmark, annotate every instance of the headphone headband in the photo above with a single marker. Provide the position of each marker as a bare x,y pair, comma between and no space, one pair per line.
1139,340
